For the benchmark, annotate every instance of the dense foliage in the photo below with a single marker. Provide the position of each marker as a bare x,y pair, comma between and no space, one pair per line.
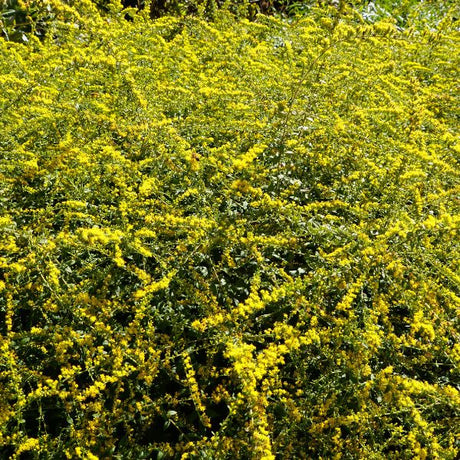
229,239
19,18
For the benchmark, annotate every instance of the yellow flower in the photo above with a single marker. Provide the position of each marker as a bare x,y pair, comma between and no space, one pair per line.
28,445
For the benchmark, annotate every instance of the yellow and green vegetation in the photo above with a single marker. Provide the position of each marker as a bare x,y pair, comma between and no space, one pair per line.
234,238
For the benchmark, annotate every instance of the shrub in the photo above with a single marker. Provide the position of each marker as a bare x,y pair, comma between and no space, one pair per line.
229,240
20,18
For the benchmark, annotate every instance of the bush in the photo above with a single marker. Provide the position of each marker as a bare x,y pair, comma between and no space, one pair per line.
21,18
229,240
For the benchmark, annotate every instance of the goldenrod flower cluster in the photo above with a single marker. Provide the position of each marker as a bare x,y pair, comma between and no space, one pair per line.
231,239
